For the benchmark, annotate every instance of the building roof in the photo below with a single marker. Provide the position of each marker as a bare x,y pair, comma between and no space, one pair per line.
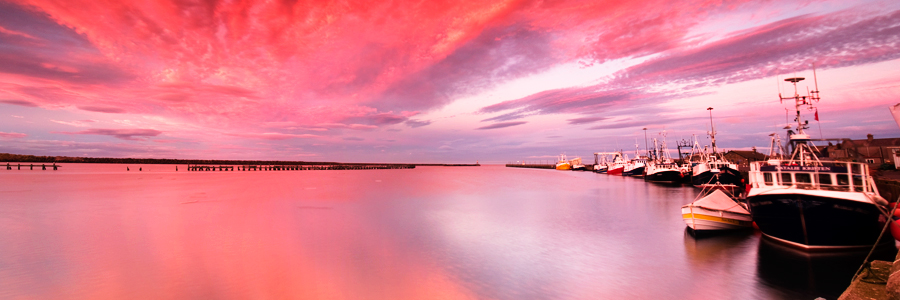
876,142
750,155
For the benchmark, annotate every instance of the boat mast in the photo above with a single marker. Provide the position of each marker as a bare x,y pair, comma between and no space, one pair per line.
712,134
800,140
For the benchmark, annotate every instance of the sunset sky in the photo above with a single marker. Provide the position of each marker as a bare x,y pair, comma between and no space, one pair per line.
432,81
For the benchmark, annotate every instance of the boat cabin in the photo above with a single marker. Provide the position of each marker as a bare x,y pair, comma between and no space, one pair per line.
829,176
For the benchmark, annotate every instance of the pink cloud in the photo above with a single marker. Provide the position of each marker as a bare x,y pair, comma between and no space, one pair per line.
842,39
12,135
501,125
273,136
125,134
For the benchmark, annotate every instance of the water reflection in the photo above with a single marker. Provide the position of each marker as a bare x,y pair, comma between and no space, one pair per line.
797,274
453,233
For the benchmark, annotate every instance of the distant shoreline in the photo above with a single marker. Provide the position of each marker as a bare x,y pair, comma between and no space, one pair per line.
20,158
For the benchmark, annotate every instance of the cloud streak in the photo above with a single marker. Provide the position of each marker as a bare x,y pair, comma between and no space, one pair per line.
501,125
125,134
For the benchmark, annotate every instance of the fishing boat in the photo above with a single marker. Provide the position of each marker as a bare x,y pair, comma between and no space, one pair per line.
617,165
713,169
563,163
662,168
716,210
636,166
576,164
601,162
812,204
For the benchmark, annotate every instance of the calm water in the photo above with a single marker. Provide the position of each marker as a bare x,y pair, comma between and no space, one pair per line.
98,232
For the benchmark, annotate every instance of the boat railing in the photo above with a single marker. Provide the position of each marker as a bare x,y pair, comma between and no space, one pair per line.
829,176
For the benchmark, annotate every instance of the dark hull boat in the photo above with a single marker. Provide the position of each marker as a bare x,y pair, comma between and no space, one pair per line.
724,176
636,171
812,204
806,220
666,176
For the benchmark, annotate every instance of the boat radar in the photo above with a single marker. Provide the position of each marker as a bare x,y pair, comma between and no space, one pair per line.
799,139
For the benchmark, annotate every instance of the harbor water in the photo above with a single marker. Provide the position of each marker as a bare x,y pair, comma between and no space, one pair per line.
97,231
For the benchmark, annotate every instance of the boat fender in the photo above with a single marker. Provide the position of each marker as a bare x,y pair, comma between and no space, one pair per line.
895,225
880,200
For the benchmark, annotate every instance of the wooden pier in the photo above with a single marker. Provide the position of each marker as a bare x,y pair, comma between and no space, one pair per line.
43,167
297,167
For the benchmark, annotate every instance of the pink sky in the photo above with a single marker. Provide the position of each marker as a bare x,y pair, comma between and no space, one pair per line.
431,81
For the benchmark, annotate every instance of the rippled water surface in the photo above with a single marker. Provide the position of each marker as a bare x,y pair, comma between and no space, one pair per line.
92,231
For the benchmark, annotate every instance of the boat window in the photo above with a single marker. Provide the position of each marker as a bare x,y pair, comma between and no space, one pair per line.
856,168
857,183
786,178
824,179
767,177
842,179
803,178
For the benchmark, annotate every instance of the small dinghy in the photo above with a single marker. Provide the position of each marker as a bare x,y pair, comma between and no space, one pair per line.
716,211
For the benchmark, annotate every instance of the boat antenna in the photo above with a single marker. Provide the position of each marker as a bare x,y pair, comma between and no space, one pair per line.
815,96
646,145
712,134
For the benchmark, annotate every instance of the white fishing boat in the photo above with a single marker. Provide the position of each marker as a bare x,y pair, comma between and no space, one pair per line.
662,168
812,204
717,210
713,169
601,161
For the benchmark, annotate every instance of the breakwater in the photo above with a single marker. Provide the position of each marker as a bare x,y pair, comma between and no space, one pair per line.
298,167
533,166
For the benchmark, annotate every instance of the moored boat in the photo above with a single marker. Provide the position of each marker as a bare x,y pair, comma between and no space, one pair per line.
812,204
601,163
716,210
662,168
563,163
617,165
713,169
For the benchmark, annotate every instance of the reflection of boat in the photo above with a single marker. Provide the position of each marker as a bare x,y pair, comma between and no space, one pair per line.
804,275
716,211
563,163
811,204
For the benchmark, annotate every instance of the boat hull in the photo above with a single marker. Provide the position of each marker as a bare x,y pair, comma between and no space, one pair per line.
669,176
725,177
615,171
813,221
637,172
701,219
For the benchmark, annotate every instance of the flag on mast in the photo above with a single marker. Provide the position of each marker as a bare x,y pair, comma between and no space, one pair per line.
817,114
